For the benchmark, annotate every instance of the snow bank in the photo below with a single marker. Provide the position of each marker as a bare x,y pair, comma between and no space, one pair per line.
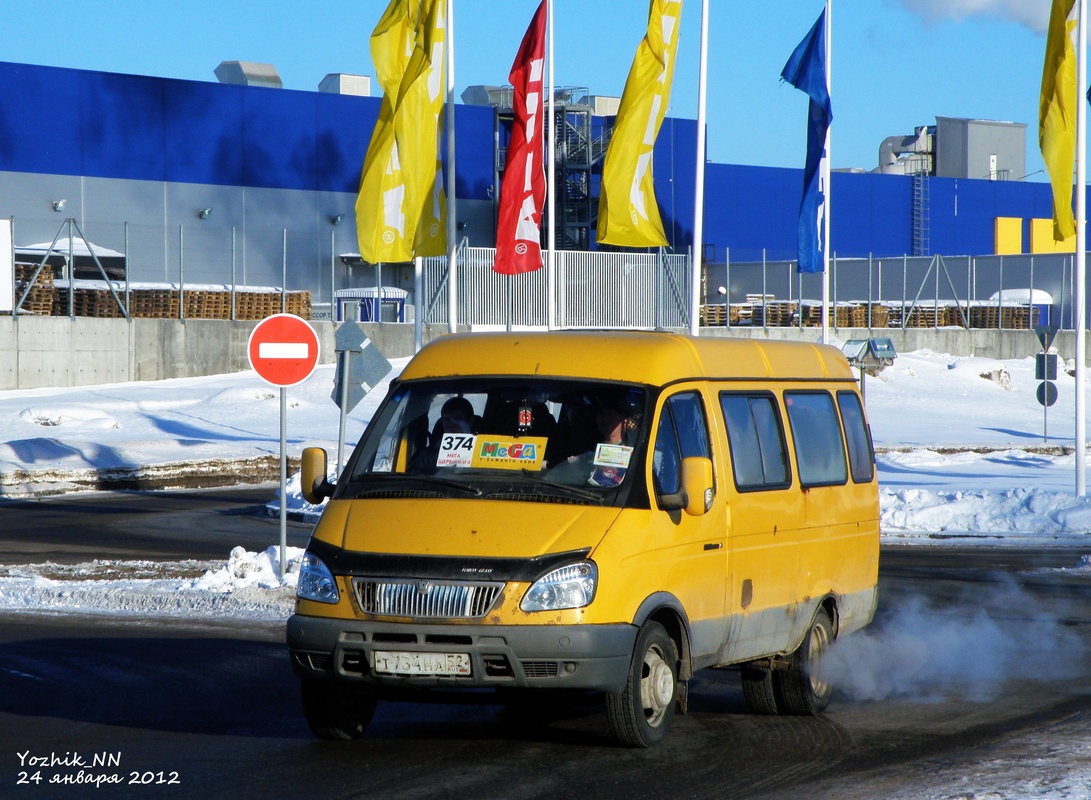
247,586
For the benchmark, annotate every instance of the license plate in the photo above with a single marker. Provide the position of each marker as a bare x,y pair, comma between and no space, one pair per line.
405,663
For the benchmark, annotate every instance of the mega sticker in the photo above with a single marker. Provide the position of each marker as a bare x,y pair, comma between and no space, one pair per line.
502,453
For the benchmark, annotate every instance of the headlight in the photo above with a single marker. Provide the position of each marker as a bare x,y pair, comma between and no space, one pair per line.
567,587
316,581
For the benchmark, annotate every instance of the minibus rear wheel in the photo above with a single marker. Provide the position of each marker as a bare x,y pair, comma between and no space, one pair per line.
758,689
640,715
337,712
799,689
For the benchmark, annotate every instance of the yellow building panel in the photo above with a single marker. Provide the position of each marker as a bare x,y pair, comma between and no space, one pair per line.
1008,236
1041,238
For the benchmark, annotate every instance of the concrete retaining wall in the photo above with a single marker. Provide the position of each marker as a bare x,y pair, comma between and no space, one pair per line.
39,352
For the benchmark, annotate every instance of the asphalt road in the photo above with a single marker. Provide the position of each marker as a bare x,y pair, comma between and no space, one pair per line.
977,655
162,526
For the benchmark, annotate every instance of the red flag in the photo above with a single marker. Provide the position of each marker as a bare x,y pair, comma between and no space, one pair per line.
523,190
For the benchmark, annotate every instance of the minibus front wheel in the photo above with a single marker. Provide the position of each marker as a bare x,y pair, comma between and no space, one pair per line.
335,711
640,715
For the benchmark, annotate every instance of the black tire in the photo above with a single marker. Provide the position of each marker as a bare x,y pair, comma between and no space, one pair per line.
337,712
640,715
757,688
799,690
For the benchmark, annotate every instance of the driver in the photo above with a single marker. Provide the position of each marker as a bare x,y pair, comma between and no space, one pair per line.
603,458
456,416
611,458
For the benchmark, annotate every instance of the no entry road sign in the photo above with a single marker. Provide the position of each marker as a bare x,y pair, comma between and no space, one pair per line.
283,350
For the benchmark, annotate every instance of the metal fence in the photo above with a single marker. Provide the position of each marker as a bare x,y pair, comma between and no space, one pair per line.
591,290
933,291
626,290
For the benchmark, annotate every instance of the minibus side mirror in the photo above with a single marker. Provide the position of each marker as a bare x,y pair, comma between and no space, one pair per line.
696,492
697,484
315,486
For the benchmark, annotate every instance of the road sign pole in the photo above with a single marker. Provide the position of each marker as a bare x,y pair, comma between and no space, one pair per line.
283,479
345,355
283,351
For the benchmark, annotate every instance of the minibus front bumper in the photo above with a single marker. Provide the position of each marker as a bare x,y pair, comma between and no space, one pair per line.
590,657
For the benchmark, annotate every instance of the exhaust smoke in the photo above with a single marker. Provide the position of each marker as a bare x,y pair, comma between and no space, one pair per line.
925,652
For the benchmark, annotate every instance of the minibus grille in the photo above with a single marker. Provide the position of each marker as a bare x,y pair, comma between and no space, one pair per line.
426,599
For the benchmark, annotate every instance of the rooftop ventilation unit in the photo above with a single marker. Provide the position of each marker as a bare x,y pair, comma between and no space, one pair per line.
487,96
248,73
341,83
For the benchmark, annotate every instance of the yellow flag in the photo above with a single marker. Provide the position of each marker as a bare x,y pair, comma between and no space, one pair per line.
380,222
400,210
1057,114
628,212
417,131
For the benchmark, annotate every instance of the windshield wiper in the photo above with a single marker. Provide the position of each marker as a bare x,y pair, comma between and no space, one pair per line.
568,489
468,488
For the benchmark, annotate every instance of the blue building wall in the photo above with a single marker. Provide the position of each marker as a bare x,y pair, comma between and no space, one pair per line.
72,122
78,123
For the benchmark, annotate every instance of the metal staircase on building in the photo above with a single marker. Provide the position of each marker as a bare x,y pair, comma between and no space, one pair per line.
922,245
578,151
573,176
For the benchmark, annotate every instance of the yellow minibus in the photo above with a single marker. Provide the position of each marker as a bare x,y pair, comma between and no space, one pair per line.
601,511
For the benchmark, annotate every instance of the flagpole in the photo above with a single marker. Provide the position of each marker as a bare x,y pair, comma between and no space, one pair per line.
826,184
699,201
452,202
1081,250
551,236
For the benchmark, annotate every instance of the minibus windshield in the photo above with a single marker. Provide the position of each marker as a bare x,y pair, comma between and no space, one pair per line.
576,439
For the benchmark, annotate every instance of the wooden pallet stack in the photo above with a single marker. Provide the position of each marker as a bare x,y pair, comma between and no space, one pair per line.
86,303
207,304
1008,316
39,299
843,315
720,314
153,303
713,315
877,314
925,317
777,314
163,302
299,303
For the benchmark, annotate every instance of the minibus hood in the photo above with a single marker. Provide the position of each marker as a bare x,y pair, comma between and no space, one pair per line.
455,527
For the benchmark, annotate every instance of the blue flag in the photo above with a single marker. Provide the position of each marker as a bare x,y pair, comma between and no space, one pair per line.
806,70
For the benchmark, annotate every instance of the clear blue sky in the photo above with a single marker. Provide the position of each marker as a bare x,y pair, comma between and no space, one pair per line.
897,64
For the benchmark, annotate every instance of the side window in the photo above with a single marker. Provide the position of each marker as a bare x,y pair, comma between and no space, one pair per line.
758,456
858,437
666,460
816,429
682,432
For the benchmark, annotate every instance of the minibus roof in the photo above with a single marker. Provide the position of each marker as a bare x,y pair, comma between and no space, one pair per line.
649,357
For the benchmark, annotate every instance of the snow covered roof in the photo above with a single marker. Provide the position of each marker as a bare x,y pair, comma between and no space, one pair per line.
79,247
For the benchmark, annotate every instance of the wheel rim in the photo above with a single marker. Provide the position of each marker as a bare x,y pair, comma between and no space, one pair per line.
818,643
656,687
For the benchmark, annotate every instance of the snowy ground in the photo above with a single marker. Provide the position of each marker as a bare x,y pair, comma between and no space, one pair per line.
962,459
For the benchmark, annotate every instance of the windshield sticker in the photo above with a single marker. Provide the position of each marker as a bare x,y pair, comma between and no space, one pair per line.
496,452
607,477
456,450
612,455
